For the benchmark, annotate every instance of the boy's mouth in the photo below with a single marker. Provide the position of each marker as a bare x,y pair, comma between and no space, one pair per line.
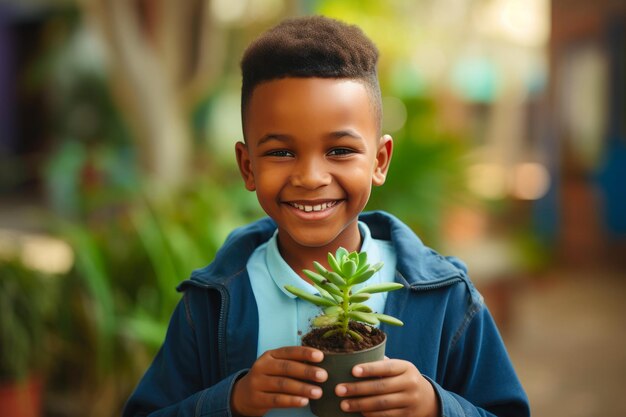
314,207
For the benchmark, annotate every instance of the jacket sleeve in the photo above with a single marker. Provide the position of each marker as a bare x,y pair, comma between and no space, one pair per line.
479,378
174,384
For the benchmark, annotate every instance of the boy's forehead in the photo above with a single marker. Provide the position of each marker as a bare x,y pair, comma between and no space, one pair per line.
289,104
299,100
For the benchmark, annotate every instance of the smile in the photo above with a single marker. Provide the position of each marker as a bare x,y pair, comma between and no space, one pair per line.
313,208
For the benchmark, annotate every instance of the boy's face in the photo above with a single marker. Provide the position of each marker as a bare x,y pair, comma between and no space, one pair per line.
312,154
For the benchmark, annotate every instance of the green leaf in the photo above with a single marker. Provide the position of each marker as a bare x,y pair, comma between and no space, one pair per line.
320,269
332,288
360,307
389,319
357,298
377,266
332,310
338,298
336,279
325,320
331,332
361,269
355,335
370,318
333,263
316,278
324,293
340,255
315,299
348,268
364,276
362,260
382,287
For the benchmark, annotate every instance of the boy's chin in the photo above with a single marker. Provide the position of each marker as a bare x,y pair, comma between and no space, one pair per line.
319,237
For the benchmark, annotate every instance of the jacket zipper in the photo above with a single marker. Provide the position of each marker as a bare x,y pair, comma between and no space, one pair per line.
221,328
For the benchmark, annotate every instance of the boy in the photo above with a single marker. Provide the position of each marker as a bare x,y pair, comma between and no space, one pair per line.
311,114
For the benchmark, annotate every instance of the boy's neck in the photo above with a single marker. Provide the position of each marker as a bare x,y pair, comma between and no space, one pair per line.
300,257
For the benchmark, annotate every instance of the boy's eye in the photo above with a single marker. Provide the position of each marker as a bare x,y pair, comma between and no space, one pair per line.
340,152
281,153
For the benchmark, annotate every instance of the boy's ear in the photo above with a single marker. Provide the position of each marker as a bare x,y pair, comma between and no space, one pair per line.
245,165
383,159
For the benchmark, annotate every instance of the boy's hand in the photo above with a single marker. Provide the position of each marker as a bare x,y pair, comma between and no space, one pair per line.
278,380
397,389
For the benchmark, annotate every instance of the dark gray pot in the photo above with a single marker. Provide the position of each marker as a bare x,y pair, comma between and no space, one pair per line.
339,367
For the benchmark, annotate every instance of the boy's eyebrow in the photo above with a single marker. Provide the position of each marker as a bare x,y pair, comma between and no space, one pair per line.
347,132
273,136
332,135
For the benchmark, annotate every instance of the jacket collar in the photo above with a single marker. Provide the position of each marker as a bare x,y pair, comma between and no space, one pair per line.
233,256
417,264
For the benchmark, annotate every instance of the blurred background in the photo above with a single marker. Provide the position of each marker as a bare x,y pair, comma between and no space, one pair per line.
118,178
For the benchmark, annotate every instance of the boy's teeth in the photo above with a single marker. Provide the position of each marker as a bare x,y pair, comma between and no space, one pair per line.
317,207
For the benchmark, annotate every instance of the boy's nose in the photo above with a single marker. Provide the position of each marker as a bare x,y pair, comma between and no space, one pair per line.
310,174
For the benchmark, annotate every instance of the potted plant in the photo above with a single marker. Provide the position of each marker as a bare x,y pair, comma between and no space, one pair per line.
345,330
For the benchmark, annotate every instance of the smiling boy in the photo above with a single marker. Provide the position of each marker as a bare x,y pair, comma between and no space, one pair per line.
312,154
312,151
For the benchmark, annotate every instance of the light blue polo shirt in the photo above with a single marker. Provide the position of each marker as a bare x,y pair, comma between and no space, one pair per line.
283,318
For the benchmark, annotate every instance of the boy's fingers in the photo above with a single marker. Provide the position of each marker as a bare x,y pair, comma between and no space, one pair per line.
369,387
257,396
388,403
384,368
275,400
281,385
295,369
298,353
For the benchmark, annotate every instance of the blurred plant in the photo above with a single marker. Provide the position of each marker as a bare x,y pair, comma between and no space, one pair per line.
130,251
28,303
427,173
129,260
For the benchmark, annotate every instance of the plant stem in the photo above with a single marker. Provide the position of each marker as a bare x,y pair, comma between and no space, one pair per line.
345,305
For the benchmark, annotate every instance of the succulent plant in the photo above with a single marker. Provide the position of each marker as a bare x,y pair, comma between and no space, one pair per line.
339,303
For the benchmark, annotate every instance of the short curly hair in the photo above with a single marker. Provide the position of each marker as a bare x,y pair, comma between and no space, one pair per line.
311,46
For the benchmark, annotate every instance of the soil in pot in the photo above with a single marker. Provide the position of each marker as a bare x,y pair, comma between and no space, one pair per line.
340,356
372,336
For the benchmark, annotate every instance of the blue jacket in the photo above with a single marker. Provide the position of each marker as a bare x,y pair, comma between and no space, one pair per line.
448,332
